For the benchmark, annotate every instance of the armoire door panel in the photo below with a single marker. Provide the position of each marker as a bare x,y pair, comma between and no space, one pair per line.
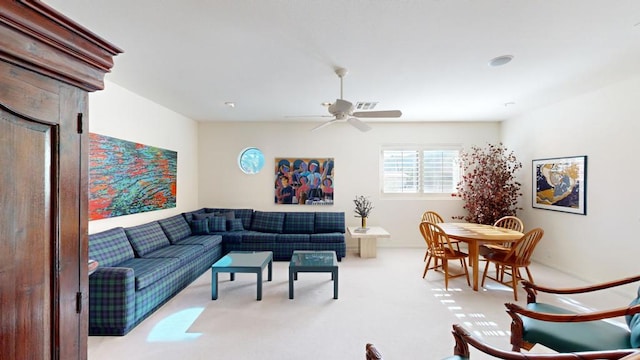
27,240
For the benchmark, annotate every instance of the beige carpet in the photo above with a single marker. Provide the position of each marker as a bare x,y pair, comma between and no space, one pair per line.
383,300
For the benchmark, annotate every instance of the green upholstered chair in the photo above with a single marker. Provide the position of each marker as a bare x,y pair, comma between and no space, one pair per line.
464,338
566,331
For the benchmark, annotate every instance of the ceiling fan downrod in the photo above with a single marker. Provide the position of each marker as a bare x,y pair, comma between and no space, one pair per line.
341,72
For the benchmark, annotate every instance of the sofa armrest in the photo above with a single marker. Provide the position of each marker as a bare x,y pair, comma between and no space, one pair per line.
111,300
532,288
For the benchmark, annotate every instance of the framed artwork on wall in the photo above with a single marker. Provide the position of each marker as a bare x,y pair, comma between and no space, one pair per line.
129,178
560,184
304,181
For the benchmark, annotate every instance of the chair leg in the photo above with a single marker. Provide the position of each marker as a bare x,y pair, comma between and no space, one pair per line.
445,267
513,283
530,277
426,267
484,274
426,253
466,272
529,274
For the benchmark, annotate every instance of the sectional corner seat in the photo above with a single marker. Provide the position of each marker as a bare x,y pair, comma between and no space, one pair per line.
142,267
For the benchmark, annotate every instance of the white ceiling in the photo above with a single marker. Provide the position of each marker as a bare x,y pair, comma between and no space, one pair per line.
429,58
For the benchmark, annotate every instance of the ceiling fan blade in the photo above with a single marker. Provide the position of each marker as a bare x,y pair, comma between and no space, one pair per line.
378,114
359,124
308,116
324,124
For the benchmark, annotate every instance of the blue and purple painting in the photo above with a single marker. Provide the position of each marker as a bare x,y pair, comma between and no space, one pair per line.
128,178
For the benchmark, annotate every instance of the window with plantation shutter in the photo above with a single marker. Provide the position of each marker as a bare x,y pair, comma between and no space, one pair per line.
401,171
419,170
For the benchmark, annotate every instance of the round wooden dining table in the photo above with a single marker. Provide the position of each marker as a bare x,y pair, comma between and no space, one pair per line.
476,234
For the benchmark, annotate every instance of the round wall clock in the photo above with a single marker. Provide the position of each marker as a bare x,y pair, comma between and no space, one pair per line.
251,160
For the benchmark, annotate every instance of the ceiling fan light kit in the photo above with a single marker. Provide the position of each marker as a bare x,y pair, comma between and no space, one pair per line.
342,110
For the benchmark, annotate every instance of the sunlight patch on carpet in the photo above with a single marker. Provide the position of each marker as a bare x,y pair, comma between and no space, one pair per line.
175,326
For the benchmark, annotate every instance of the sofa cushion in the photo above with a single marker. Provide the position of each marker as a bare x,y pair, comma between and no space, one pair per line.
199,227
244,214
217,224
209,242
633,321
267,221
110,247
235,225
175,227
146,238
226,214
299,223
328,222
292,238
258,237
327,238
232,237
147,271
189,215
573,336
201,216
186,253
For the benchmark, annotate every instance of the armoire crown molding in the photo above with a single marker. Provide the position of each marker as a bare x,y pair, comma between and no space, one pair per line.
37,37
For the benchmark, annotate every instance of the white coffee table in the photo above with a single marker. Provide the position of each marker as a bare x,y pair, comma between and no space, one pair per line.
367,241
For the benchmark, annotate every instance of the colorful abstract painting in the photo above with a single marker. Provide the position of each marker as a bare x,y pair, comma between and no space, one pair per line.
128,178
304,181
560,184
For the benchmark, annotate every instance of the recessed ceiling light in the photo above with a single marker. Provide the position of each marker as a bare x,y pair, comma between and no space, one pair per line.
500,60
230,104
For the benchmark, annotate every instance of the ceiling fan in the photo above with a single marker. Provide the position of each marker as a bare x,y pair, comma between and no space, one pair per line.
342,110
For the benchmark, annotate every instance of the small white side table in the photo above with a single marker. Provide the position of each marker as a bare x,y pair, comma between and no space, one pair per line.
367,241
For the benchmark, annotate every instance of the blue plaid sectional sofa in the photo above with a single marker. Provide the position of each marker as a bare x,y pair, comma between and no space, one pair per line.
142,267
278,232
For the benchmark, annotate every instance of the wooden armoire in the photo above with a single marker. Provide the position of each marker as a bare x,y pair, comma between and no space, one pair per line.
48,64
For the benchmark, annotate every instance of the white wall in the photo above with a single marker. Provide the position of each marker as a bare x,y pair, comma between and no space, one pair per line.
119,113
356,155
603,125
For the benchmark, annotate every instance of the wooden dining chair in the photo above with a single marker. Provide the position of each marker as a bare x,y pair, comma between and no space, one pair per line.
435,218
507,222
439,247
432,217
509,262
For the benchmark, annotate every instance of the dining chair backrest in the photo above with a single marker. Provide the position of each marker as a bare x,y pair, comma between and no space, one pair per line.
437,240
520,253
432,217
510,222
